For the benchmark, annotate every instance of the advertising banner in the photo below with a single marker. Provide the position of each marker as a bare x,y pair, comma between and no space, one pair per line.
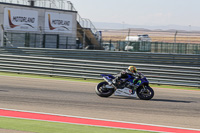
20,19
56,22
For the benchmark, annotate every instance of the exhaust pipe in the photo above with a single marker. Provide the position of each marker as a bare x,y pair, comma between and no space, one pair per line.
110,83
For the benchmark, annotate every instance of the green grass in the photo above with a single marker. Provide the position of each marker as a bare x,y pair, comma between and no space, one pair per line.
53,127
49,77
90,80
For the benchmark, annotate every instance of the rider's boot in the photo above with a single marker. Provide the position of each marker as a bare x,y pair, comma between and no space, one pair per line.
115,82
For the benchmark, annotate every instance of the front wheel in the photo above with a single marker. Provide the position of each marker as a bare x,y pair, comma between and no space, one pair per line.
145,92
102,91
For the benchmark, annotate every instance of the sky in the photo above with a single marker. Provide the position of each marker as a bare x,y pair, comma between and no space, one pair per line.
141,12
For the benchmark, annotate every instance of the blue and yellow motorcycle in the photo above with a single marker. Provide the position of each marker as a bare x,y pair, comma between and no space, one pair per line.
125,87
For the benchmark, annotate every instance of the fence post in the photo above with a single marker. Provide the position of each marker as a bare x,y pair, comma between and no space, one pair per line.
4,40
110,45
58,41
44,40
27,39
2,36
67,42
119,43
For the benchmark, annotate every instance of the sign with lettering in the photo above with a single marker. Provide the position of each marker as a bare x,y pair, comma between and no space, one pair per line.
56,22
20,19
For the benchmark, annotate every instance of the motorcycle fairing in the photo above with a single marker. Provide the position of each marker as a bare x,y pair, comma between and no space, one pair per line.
125,92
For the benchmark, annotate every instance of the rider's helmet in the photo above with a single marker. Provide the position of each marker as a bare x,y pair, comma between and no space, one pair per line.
132,69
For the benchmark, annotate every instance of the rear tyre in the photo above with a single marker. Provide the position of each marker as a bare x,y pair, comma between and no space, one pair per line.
102,91
146,93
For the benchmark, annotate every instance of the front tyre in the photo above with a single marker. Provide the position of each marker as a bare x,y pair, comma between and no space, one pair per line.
102,91
145,92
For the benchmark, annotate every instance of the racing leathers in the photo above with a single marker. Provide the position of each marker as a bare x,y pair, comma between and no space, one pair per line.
124,74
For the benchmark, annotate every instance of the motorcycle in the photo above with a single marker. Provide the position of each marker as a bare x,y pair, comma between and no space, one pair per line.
124,87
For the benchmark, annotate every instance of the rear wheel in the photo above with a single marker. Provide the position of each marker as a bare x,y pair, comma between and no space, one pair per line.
145,92
102,91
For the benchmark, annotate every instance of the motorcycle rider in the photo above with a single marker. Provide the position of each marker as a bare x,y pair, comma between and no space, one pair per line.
132,70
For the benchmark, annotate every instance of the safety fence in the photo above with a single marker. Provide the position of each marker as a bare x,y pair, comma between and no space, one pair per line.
154,47
192,60
33,40
12,39
88,69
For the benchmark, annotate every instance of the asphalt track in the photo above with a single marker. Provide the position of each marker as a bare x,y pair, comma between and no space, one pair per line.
177,108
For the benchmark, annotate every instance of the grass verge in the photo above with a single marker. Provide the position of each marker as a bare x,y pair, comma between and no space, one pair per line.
90,80
53,127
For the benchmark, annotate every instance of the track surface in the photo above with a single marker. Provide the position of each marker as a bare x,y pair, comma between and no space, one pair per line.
179,108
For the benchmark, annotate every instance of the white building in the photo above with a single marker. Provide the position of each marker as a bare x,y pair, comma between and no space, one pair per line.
33,26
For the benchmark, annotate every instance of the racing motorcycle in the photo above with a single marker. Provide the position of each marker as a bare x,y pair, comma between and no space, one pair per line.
124,87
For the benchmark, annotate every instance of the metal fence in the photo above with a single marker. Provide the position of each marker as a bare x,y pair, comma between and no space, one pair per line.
158,74
64,42
39,40
155,47
192,60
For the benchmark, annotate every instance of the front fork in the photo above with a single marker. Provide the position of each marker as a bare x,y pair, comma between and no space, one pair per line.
145,89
